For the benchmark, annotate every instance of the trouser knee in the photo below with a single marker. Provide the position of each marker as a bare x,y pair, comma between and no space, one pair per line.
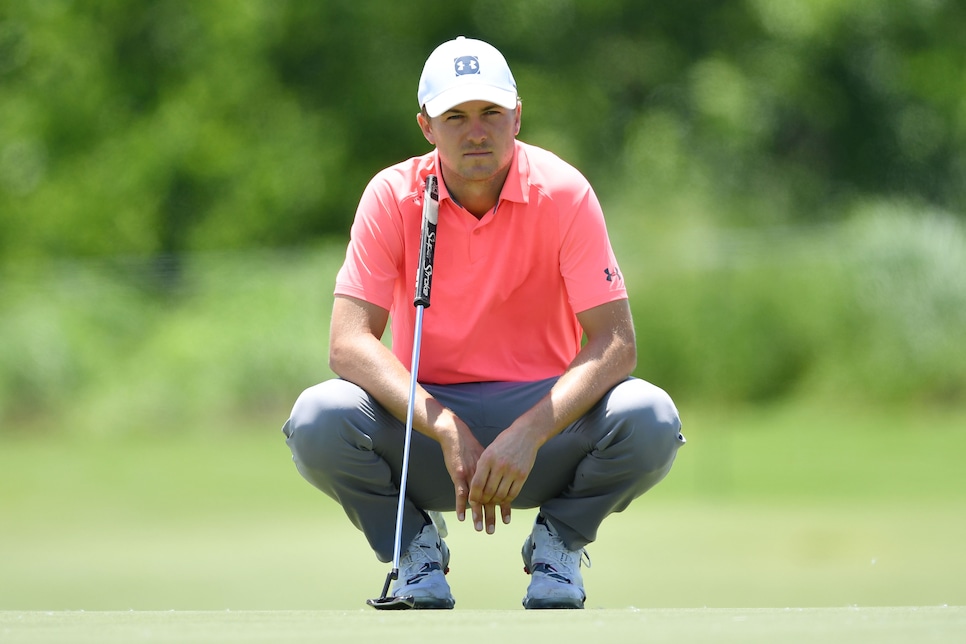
323,429
649,423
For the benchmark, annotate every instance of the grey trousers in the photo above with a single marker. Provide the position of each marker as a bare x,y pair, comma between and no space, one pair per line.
348,446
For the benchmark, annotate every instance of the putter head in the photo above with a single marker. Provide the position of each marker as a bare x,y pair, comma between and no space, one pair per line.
388,602
393,603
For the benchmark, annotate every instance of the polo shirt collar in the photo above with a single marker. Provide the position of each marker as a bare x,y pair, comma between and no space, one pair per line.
515,188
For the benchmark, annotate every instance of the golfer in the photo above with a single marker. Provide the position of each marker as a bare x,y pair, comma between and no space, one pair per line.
525,398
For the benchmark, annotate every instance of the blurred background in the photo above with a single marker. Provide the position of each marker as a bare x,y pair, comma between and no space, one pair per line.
785,185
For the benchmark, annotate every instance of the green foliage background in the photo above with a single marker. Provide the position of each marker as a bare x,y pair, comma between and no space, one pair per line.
785,186
785,183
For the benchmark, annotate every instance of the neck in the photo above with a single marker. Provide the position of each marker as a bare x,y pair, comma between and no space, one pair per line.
477,197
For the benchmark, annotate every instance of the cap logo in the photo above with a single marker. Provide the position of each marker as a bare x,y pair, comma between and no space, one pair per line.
467,65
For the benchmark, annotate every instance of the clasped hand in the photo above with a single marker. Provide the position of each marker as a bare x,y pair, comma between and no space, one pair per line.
489,478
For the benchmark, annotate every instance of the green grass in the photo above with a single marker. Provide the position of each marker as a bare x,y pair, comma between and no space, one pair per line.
721,626
795,507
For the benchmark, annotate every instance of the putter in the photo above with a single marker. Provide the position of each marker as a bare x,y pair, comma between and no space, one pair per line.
424,280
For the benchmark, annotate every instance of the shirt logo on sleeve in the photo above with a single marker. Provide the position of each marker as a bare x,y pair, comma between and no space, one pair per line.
613,275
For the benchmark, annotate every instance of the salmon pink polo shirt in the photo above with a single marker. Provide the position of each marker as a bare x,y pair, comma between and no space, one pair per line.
505,287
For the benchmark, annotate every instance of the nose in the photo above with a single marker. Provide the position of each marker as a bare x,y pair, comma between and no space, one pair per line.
477,132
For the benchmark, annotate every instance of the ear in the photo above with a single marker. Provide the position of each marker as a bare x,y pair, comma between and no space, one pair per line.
426,125
517,118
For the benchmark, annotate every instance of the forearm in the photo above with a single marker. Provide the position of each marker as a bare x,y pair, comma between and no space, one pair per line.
356,354
591,375
371,365
608,358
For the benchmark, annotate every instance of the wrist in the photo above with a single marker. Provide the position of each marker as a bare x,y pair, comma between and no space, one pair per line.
528,430
446,426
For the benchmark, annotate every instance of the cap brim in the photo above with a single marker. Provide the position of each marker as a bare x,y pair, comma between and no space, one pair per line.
470,92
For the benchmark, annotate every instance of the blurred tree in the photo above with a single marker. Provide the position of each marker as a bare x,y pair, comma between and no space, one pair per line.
136,127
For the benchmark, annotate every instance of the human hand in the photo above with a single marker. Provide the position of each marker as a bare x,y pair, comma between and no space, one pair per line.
501,471
461,452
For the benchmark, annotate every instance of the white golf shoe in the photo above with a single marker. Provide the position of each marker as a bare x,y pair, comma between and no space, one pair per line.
555,579
422,569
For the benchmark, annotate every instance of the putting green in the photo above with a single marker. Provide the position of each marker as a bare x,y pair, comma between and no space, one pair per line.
721,626
789,508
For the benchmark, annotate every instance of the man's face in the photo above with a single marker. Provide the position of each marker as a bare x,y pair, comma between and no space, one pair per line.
474,140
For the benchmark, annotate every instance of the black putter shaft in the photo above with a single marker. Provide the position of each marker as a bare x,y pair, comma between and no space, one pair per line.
424,281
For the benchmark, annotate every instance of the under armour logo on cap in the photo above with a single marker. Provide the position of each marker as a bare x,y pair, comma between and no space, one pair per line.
467,65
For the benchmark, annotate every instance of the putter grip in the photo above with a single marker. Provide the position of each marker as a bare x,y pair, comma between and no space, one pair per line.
427,244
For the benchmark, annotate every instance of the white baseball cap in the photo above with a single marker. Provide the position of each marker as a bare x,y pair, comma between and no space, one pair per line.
464,70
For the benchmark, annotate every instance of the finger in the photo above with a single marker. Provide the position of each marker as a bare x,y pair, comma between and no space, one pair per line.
478,492
477,516
461,494
503,492
496,486
505,511
514,490
490,512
